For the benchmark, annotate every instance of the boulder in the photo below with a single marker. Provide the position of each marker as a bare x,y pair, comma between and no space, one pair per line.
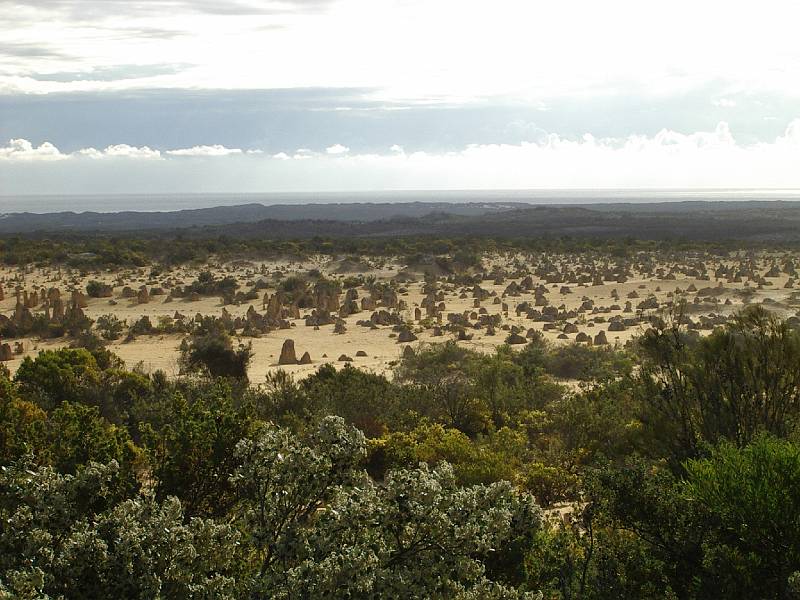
406,336
616,325
516,338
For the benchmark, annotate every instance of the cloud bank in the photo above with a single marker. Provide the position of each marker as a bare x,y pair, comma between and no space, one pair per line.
667,159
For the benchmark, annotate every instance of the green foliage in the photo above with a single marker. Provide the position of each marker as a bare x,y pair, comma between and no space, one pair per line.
493,460
97,289
213,353
416,535
444,375
368,401
751,497
77,435
56,376
110,327
69,536
586,363
191,448
208,285
116,483
22,423
741,380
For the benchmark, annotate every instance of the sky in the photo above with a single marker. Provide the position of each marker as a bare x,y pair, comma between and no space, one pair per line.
159,96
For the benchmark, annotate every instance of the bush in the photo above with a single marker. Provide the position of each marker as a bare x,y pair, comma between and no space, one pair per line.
213,353
110,327
97,289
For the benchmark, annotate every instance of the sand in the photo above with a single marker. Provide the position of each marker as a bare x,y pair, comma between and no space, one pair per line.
152,352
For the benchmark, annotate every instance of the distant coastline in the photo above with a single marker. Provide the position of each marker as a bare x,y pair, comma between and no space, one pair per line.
110,203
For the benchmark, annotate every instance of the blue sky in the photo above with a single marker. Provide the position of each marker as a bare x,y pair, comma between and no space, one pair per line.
250,95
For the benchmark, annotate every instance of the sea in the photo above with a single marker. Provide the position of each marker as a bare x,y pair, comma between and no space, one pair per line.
177,201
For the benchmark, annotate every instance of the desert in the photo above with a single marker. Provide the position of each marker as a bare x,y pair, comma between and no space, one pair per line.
370,309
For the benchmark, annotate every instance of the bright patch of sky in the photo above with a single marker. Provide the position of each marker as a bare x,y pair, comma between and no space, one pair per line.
398,93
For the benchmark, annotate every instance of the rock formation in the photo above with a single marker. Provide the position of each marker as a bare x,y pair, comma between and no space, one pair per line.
288,356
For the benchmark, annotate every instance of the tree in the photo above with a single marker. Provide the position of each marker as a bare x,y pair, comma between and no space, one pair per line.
445,373
98,289
366,400
213,353
741,380
70,536
498,379
191,443
56,376
322,529
22,423
77,435
110,327
751,496
586,363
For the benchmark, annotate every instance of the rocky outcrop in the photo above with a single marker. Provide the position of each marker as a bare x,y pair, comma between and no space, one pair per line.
288,355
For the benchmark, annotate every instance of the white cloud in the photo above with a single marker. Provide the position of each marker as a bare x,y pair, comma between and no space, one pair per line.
215,150
668,159
364,43
792,135
337,149
302,154
119,151
19,149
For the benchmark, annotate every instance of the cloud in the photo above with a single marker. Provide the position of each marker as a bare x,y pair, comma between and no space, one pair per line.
96,9
19,149
792,135
78,8
215,150
112,73
120,151
724,103
365,44
26,50
668,159
302,154
337,149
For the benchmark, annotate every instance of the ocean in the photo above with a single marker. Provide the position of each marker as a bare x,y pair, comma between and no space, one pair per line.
172,202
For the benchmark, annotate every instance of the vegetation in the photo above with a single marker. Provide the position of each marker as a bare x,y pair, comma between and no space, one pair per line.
464,475
102,251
